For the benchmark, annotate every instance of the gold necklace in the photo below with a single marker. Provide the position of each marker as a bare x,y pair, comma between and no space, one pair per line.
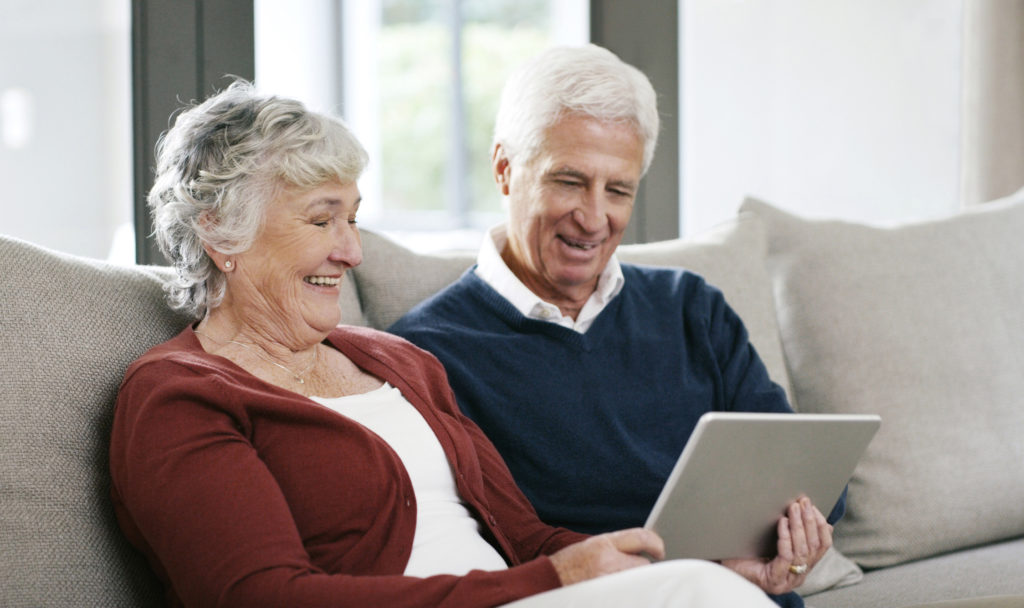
299,377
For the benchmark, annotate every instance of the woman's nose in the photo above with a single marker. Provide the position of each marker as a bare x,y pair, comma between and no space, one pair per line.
348,247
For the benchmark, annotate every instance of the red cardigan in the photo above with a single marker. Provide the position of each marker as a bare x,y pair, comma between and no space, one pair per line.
241,493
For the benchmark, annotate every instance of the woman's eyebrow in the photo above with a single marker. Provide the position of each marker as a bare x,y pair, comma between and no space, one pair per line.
328,201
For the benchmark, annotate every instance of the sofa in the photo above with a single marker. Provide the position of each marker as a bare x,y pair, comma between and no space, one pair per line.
922,323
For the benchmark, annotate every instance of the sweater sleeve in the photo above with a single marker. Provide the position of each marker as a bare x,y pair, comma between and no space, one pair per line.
745,377
192,493
745,382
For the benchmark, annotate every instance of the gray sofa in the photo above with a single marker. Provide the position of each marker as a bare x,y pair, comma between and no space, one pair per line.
922,323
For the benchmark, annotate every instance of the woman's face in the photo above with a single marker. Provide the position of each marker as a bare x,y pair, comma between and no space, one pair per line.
286,286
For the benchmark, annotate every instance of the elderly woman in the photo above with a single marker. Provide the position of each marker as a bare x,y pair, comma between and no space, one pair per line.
268,456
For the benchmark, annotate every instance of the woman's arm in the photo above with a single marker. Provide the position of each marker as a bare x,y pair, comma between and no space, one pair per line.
192,492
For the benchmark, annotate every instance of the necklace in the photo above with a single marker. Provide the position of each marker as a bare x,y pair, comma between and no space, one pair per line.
299,376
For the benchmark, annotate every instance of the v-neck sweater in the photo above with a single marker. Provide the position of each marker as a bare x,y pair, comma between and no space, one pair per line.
591,424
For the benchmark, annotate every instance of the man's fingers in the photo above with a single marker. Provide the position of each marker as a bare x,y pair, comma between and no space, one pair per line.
811,524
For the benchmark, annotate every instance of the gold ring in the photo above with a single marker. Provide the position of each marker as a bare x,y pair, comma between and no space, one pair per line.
798,569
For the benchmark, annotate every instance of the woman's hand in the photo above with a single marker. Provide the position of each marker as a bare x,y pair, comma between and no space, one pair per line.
804,537
607,553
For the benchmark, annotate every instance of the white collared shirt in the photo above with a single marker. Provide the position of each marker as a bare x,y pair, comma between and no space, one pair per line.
491,268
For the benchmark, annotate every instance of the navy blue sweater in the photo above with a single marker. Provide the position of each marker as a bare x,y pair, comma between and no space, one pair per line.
592,424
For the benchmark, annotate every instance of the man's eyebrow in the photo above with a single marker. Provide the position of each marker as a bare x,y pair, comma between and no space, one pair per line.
580,175
624,183
567,172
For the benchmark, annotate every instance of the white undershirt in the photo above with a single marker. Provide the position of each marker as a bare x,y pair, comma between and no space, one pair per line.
493,270
447,538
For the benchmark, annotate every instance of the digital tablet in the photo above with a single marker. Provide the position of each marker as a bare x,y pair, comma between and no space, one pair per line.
739,471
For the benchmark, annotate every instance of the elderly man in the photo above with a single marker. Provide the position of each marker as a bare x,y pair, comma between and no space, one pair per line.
589,375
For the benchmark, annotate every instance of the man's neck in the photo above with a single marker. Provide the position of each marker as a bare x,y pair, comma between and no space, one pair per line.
569,302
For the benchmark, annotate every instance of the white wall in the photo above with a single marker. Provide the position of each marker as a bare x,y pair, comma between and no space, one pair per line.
828,108
65,123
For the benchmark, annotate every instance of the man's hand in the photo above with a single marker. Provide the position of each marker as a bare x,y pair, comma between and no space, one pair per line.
804,537
607,553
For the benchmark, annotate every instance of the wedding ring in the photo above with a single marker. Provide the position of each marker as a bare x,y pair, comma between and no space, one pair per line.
798,569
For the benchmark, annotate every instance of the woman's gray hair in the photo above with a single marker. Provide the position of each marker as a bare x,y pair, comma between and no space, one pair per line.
220,166
589,81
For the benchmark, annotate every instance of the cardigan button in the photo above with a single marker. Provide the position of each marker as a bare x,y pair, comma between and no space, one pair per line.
408,502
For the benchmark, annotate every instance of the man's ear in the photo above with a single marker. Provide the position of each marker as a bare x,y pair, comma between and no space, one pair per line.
500,168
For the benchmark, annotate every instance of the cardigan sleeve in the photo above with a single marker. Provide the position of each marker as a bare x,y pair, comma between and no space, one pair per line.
192,493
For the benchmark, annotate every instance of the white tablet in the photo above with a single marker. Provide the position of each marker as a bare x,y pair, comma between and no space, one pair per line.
739,471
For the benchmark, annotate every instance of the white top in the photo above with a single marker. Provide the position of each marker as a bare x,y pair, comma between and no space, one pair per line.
493,271
447,538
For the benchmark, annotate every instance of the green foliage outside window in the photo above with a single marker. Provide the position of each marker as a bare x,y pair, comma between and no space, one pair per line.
416,97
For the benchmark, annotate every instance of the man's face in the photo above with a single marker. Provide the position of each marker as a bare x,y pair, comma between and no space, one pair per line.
569,206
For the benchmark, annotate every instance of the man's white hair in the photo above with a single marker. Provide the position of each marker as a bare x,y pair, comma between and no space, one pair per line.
588,81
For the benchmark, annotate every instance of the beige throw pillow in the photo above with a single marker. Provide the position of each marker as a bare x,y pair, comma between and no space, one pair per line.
923,324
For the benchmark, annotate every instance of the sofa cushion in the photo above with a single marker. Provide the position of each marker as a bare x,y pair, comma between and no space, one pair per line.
392,279
923,324
992,570
70,327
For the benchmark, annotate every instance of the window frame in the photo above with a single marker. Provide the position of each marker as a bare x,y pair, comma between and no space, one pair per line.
182,50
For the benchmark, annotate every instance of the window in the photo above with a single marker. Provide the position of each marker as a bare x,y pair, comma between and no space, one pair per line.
418,81
65,126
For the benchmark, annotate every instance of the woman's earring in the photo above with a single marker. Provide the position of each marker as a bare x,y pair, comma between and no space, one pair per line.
228,265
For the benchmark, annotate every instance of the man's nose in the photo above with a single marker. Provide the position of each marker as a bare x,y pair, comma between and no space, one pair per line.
591,214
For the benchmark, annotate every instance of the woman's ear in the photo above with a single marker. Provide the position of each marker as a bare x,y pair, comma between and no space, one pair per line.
501,168
221,260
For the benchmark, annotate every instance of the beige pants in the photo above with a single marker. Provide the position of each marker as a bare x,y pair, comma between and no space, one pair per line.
671,584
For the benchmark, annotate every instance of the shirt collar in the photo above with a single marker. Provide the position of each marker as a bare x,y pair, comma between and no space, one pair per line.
491,268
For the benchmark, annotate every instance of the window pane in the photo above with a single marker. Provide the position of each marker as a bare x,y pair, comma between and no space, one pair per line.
420,82
65,125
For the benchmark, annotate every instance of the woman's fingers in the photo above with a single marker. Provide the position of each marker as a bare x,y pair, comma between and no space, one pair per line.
607,553
638,541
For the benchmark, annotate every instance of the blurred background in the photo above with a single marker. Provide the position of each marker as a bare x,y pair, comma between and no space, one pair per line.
867,110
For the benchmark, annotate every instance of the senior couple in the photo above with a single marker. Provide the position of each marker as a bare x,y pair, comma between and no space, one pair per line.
269,456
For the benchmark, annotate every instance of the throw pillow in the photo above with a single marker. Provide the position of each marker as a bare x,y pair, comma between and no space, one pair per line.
922,323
